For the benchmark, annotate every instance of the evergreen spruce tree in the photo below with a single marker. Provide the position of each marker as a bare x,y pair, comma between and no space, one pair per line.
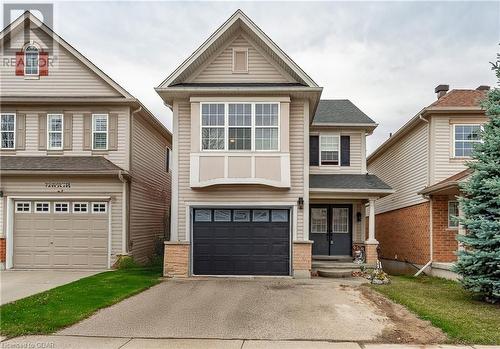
479,262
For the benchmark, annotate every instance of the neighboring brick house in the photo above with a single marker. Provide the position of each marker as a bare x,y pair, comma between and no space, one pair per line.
83,164
424,161
264,173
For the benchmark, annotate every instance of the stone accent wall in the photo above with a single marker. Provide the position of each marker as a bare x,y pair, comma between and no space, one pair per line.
445,243
2,250
302,259
176,259
403,234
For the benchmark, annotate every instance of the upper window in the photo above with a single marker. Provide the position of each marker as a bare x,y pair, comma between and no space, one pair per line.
464,138
8,130
329,149
453,214
31,58
240,126
54,131
100,131
240,60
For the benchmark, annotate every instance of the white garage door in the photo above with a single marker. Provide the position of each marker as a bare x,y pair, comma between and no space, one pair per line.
60,234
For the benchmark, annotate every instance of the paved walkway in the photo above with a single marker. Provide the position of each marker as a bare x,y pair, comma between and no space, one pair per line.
17,284
76,342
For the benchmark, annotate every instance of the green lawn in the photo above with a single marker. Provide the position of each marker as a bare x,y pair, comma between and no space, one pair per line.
447,306
52,310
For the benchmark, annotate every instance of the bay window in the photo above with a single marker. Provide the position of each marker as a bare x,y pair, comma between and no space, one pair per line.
329,149
54,131
100,131
240,126
464,138
8,130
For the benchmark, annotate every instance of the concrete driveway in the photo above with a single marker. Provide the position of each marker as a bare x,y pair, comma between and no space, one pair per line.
17,284
316,309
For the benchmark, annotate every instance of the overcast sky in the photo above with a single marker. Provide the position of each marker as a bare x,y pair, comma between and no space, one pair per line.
386,57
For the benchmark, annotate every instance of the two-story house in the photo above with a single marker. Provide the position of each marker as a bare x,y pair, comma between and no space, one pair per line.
83,164
248,121
424,162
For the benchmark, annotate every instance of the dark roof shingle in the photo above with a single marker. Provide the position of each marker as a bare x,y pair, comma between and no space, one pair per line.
347,181
57,163
340,111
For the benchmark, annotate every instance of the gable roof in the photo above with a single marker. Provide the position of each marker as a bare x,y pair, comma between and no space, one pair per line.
238,20
339,111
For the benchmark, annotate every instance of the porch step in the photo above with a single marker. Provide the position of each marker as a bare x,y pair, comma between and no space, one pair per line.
332,258
332,273
335,265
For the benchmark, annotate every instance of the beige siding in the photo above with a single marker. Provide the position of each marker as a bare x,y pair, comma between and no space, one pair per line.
149,189
240,194
119,157
442,157
67,75
80,186
260,68
355,156
404,166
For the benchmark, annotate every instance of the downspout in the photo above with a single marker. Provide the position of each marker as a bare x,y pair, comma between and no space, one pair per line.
124,210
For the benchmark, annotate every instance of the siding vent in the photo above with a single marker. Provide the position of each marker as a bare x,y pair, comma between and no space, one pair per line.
240,61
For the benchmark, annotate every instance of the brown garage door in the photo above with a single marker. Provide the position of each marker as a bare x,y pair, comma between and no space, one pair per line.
60,234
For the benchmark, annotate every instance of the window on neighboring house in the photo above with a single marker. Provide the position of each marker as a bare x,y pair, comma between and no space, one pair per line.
240,126
329,149
319,222
212,130
464,138
8,130
100,131
54,131
31,59
240,60
453,214
266,126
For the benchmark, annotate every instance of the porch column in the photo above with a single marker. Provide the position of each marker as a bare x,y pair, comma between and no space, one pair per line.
371,244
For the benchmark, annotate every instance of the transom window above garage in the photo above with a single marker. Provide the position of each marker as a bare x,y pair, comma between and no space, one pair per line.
241,215
22,206
99,207
80,207
61,207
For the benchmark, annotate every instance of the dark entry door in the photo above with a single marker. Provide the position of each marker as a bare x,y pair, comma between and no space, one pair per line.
241,242
331,229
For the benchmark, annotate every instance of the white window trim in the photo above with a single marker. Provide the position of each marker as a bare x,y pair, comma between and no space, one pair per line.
15,130
49,131
448,215
41,202
99,203
253,127
234,60
94,132
80,203
23,202
454,140
62,203
26,61
340,150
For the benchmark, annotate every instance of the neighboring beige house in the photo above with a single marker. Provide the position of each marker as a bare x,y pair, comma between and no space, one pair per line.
424,162
247,123
84,166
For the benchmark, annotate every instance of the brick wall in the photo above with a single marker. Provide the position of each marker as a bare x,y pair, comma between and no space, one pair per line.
302,256
2,250
176,261
403,234
445,243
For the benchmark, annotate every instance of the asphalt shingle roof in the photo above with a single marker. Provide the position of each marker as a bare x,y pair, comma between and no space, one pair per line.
347,181
340,111
56,163
461,98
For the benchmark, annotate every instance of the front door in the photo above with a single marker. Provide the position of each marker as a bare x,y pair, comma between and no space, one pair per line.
331,229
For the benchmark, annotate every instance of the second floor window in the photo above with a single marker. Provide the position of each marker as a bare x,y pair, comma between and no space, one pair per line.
240,126
329,149
8,130
54,131
464,139
100,131
31,58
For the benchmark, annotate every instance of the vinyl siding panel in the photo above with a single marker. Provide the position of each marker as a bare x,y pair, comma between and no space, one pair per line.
80,186
260,68
67,75
240,194
355,156
149,189
404,166
120,157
